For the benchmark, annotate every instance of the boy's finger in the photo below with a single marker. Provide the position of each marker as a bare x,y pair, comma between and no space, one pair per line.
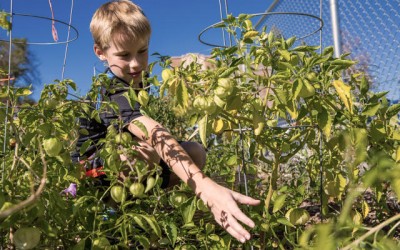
245,200
240,234
240,216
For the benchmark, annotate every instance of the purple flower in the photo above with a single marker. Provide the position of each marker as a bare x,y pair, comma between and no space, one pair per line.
71,190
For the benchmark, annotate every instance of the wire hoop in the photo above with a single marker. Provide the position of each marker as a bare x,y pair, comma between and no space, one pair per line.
215,25
46,43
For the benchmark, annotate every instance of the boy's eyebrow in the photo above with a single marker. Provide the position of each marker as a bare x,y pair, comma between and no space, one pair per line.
146,46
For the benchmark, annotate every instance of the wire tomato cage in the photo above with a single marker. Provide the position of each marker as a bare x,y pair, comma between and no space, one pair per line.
14,25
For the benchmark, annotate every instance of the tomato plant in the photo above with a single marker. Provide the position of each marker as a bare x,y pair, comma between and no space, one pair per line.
280,122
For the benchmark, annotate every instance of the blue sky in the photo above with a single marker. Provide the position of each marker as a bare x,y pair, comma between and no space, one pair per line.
176,26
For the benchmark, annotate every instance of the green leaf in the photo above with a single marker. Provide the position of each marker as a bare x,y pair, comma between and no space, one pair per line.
393,110
371,109
144,241
325,122
297,216
203,129
290,41
233,160
141,126
304,48
141,222
188,208
285,54
23,92
228,72
341,62
364,85
95,115
182,94
171,232
131,96
279,202
344,93
296,88
328,51
285,222
271,37
162,89
85,146
250,34
153,224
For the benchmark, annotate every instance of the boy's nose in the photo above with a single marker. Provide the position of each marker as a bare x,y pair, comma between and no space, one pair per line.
134,62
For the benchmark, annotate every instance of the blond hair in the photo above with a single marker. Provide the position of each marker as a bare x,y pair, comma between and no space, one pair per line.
120,20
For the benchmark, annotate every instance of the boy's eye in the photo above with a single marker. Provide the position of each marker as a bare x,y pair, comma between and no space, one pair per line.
143,51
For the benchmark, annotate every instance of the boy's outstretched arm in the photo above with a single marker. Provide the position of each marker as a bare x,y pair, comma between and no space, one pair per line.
222,201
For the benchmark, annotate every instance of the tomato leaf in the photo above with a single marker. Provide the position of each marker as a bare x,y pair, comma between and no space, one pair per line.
171,232
182,94
279,202
188,208
344,93
203,129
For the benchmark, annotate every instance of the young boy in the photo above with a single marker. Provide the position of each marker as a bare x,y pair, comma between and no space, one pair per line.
121,34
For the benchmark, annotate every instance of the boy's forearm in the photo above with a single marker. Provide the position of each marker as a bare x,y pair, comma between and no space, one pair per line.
171,152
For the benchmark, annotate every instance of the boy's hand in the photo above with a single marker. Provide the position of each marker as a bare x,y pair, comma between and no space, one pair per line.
223,205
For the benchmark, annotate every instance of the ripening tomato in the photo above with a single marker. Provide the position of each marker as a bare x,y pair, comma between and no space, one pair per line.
123,138
52,146
118,193
178,198
100,243
166,74
143,97
137,189
27,237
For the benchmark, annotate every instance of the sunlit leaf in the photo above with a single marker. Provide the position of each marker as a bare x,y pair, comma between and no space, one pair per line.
297,216
325,122
365,209
371,109
203,129
182,94
171,232
344,93
188,208
279,202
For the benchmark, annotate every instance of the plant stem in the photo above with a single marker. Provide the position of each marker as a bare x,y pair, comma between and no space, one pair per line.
371,231
272,184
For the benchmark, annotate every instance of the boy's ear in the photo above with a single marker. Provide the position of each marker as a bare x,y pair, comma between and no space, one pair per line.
99,52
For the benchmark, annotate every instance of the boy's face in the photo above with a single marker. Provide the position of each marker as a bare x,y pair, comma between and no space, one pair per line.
126,60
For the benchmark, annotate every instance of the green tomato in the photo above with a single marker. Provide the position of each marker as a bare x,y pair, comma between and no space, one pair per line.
200,103
178,198
137,189
52,146
27,238
123,138
226,84
143,97
201,206
297,216
100,243
111,130
51,103
166,74
118,193
221,92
